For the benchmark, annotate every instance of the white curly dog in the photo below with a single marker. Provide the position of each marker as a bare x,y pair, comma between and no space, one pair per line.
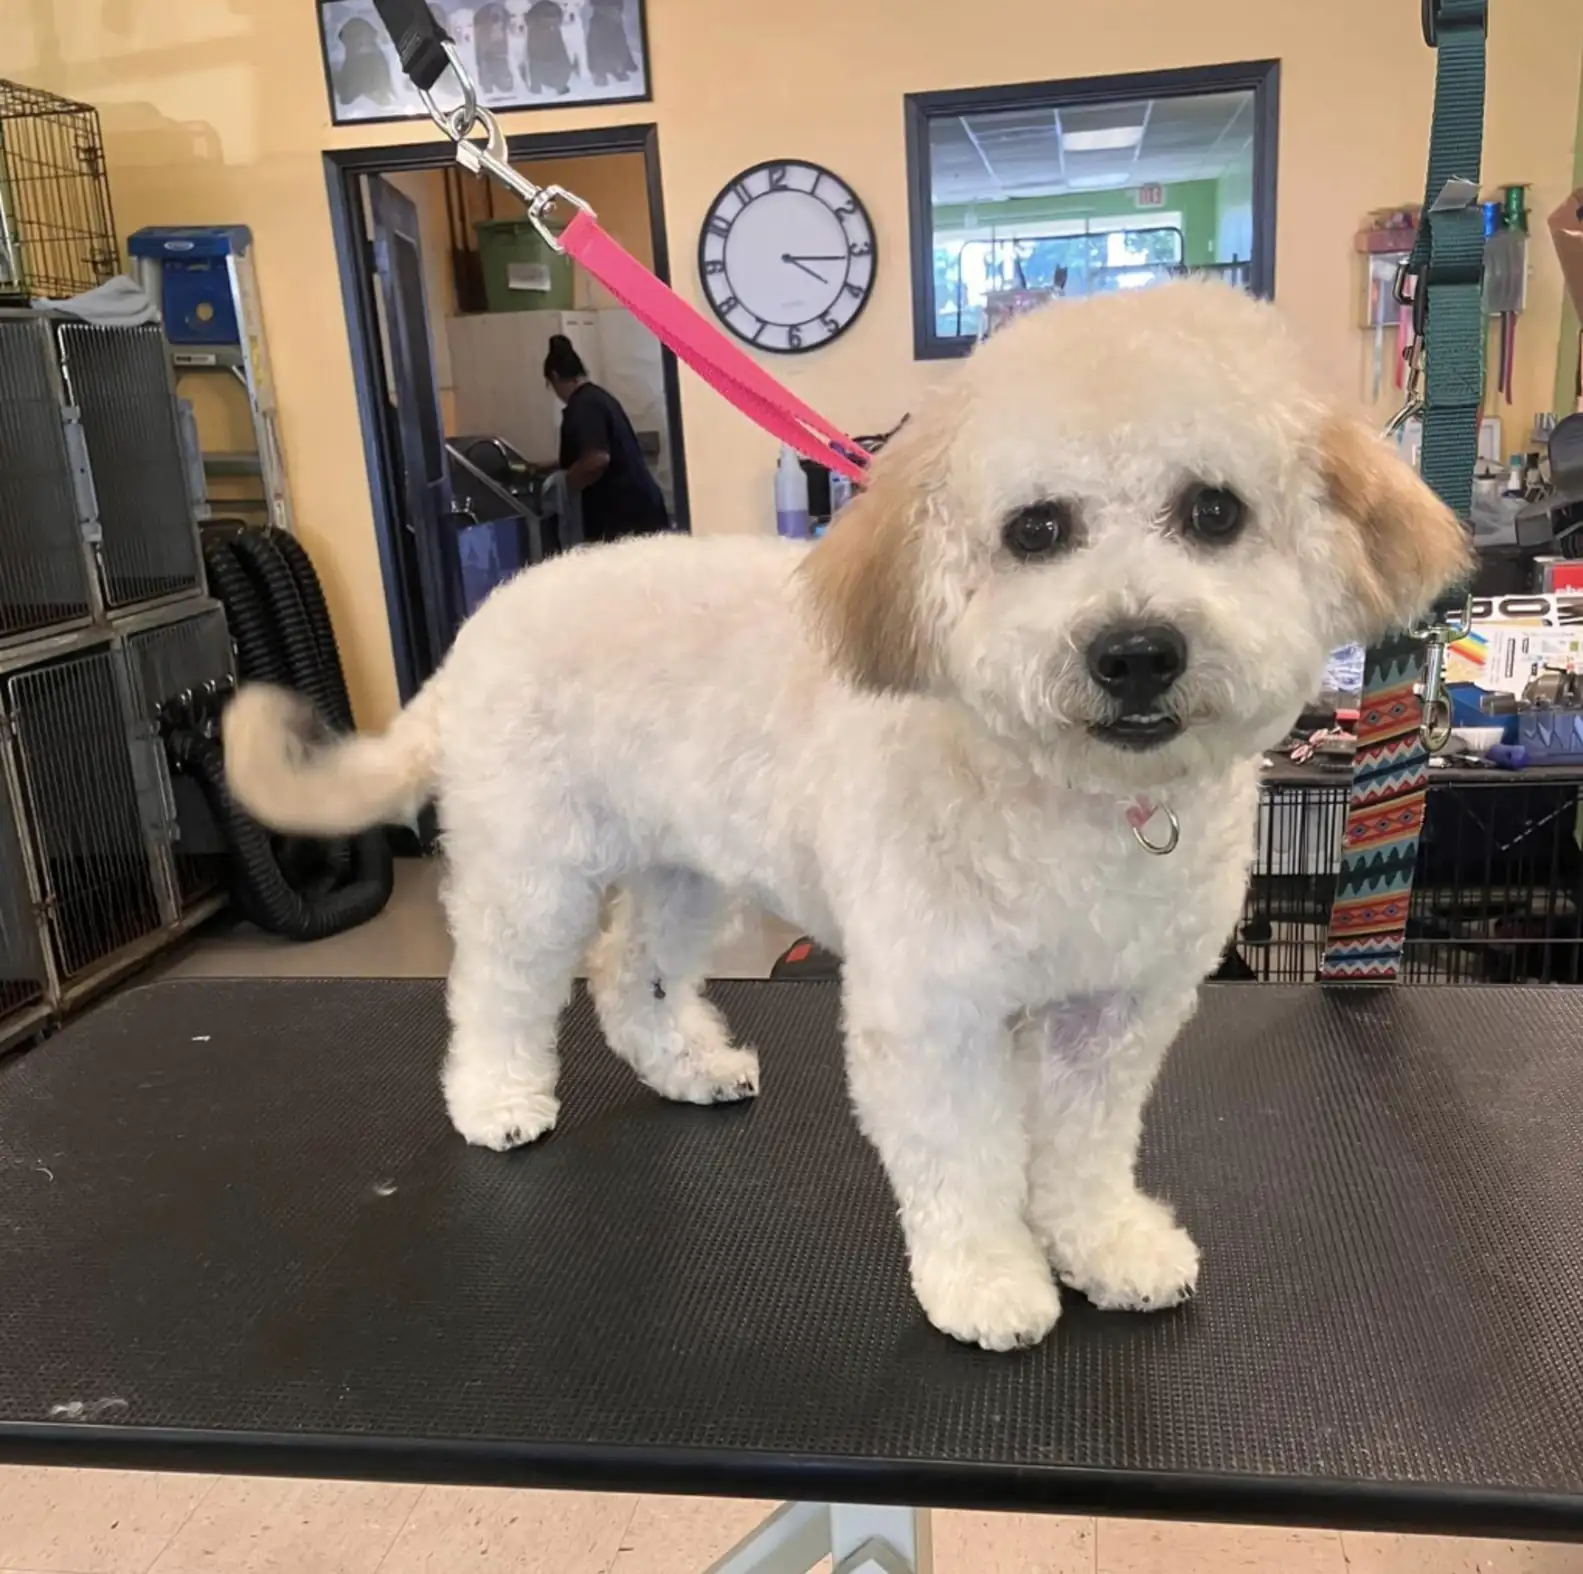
1091,583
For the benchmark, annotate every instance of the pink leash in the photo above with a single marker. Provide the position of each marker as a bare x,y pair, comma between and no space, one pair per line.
706,349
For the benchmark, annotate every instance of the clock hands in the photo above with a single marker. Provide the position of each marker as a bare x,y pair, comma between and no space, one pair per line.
803,261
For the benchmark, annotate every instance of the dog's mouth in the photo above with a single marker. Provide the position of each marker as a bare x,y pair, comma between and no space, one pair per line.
1138,731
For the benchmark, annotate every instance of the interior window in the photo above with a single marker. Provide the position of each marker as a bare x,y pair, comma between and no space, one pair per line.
1076,188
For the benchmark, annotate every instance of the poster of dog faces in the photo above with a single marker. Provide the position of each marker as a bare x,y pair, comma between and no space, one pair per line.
522,54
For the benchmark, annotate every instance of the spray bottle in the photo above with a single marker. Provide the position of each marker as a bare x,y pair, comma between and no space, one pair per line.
791,496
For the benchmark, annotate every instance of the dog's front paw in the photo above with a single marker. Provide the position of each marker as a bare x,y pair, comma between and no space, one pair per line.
494,1113
1136,1259
998,1296
693,1060
708,1074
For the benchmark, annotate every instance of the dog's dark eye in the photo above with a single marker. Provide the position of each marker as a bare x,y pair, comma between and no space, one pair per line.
1213,514
1039,530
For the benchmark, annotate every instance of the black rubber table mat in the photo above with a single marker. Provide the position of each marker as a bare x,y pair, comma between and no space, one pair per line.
237,1232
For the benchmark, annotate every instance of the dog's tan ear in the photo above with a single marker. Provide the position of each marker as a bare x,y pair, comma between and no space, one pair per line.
1405,547
864,580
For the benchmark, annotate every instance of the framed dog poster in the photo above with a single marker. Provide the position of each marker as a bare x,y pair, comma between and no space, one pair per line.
523,54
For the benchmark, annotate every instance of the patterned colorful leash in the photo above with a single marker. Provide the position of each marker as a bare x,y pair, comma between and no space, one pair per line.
426,54
1402,717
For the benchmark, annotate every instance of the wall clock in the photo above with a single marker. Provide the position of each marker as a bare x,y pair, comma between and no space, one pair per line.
786,255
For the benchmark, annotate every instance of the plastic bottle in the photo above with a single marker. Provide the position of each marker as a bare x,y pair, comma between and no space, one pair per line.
791,496
840,493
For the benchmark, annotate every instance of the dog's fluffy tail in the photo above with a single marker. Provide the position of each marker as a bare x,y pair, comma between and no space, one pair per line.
292,781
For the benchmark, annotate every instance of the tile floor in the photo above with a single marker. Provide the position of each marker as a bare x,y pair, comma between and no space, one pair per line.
78,1522
71,1522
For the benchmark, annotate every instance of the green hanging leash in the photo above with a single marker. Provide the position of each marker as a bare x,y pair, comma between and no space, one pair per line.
1404,710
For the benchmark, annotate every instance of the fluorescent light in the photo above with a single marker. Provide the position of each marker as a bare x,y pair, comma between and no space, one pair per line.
1109,140
1097,182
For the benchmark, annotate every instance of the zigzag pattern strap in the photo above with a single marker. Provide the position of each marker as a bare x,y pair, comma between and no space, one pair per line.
1385,816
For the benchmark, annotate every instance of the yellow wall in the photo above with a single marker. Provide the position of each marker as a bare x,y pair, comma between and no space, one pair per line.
215,111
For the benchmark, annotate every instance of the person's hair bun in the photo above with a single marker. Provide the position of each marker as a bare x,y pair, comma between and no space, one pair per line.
562,359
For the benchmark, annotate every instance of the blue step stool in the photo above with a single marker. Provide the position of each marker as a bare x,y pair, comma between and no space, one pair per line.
198,293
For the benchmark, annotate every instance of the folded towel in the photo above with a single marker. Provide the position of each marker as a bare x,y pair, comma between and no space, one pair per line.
118,303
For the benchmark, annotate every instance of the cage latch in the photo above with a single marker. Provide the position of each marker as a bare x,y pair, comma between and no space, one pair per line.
156,796
84,498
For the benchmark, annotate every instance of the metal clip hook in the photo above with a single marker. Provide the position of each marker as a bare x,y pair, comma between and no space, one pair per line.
455,123
1434,729
492,156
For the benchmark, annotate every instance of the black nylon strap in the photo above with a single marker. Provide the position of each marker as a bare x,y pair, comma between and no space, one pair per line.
419,40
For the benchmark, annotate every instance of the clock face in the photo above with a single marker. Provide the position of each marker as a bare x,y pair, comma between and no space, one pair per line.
787,256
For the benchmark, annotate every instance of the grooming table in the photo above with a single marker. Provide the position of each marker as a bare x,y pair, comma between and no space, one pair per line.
238,1234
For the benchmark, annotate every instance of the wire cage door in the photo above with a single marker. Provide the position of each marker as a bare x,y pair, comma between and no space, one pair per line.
24,976
46,498
69,720
120,380
178,670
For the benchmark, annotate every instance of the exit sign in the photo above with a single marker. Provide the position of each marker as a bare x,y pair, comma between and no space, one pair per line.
1151,196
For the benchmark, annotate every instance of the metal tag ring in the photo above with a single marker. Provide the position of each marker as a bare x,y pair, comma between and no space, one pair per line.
1173,835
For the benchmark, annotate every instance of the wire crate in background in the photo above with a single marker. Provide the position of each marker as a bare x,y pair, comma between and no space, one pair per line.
57,231
1497,896
107,852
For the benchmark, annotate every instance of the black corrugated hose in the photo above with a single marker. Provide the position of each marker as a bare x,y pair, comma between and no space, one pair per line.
298,887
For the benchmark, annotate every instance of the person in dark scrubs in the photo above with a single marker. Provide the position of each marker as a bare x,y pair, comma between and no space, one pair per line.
600,453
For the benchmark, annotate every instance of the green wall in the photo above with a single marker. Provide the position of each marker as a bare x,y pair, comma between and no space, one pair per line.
1196,200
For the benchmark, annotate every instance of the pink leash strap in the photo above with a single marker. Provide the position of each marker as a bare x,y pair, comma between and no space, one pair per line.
704,348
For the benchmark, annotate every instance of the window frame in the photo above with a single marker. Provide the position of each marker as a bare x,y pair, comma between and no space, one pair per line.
1260,77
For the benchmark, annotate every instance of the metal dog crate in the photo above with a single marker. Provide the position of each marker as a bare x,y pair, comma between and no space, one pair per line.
121,382
97,881
97,515
25,988
1497,894
46,497
170,663
109,858
57,233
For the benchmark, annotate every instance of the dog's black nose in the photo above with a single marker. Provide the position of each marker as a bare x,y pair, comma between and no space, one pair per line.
1139,663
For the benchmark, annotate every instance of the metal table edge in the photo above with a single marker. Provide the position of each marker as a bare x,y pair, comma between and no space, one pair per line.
1493,1511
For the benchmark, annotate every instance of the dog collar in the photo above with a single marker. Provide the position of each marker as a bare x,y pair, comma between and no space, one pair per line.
1142,813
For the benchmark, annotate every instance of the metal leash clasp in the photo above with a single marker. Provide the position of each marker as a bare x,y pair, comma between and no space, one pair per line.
492,155
1434,728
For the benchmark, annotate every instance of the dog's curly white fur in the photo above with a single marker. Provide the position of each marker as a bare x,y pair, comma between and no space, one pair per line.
895,740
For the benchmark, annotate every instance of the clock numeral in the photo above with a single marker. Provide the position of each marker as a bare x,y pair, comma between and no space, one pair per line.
833,324
855,291
847,208
794,338
730,303
758,330
740,190
715,265
860,248
718,225
778,176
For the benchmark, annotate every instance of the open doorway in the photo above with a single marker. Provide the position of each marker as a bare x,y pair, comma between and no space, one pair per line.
451,300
